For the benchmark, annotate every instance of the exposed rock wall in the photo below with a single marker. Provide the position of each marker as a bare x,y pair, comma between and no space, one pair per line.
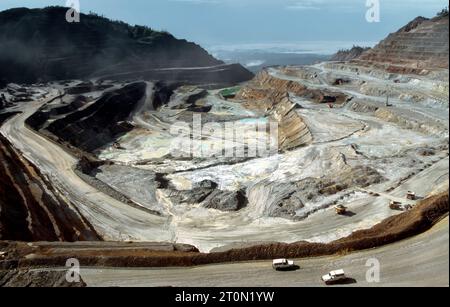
292,130
100,123
30,209
272,95
209,196
419,47
265,80
264,85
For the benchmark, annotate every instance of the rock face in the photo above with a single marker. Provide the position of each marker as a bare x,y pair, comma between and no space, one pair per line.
264,85
187,97
265,80
30,209
99,123
39,44
272,95
349,54
225,201
209,196
419,47
292,130
288,199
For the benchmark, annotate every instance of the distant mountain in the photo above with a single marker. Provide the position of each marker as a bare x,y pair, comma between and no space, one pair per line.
40,45
256,60
349,54
419,47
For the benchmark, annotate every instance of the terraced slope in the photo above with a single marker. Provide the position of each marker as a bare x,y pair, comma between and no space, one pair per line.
100,123
31,209
293,132
268,93
420,46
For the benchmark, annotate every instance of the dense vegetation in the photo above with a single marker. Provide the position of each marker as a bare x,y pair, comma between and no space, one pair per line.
40,45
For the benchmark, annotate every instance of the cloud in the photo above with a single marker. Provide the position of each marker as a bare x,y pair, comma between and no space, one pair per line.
305,5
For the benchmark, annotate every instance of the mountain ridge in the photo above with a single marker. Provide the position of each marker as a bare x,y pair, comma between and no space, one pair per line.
418,47
349,54
40,45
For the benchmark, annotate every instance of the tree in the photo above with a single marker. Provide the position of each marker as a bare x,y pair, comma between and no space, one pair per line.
443,13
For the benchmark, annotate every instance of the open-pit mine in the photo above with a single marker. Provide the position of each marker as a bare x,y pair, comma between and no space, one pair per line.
297,161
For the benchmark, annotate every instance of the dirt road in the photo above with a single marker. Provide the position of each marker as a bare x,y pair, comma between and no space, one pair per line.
112,219
420,261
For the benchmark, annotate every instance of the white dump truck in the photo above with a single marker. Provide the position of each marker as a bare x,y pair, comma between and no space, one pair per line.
398,206
283,264
334,277
411,195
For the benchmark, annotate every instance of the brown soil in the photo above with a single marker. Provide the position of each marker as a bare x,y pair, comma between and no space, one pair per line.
265,91
418,48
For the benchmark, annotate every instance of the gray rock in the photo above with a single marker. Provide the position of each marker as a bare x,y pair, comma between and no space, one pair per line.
226,201
195,196
209,196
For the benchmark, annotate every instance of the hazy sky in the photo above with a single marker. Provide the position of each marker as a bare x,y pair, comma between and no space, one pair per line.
234,22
